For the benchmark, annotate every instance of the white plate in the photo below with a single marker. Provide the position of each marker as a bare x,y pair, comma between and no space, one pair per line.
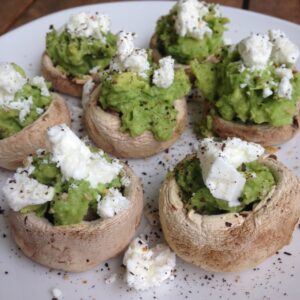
20,278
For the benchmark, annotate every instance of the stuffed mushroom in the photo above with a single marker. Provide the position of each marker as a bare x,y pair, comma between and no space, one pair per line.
27,109
228,209
253,92
139,108
73,207
78,52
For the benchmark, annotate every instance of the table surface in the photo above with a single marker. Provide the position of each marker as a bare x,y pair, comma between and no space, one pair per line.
14,13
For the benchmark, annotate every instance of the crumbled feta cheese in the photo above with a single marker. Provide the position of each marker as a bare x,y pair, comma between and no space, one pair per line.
284,51
89,25
219,161
39,110
129,58
76,160
125,44
57,294
145,267
39,82
23,105
267,92
111,279
255,50
11,82
285,88
137,62
283,71
94,70
237,151
113,203
21,190
242,67
164,76
189,19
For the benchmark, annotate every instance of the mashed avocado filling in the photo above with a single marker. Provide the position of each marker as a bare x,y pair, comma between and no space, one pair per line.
188,175
143,106
10,122
78,55
185,49
237,92
74,200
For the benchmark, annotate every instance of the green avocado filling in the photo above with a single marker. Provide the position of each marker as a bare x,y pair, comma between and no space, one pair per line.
185,49
143,106
78,55
237,92
196,196
74,201
10,122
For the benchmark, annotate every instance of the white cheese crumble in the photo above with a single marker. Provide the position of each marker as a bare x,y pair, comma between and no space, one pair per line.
94,70
164,76
129,58
39,82
57,293
285,88
89,25
255,50
76,160
39,110
145,267
219,162
284,51
189,19
11,82
21,190
113,203
23,105
111,279
267,92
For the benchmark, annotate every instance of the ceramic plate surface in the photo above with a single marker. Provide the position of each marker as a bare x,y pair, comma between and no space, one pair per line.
21,279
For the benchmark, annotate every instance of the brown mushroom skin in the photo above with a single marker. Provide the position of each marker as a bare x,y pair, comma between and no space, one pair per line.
234,241
61,82
266,135
104,129
79,247
263,134
14,149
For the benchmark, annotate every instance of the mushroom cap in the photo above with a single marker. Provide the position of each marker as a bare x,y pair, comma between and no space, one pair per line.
79,247
262,134
14,149
232,241
61,82
104,128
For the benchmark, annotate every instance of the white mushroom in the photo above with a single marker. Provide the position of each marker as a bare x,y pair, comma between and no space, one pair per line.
233,241
14,149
